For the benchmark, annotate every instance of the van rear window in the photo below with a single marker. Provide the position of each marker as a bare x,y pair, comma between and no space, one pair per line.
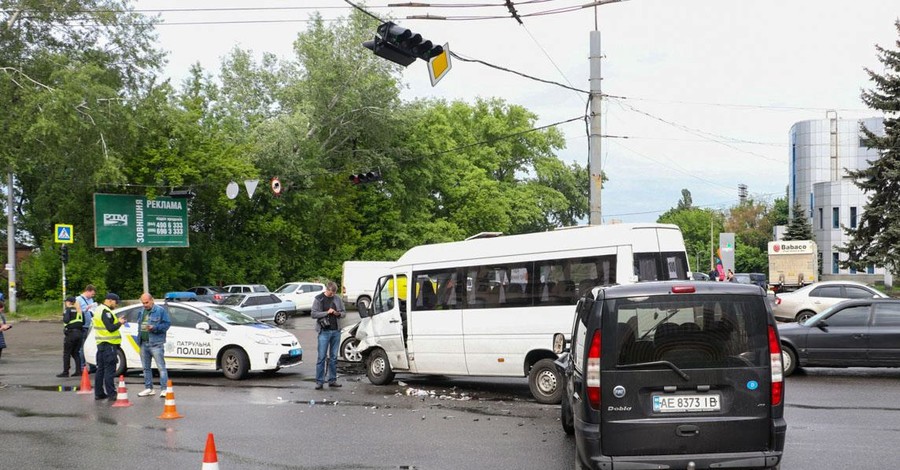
690,331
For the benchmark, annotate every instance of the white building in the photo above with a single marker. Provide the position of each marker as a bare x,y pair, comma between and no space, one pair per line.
821,153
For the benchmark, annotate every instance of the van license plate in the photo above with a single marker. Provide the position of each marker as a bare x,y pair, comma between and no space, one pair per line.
686,403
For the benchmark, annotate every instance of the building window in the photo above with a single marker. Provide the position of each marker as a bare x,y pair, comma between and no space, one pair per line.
870,269
852,270
835,217
853,217
821,218
835,267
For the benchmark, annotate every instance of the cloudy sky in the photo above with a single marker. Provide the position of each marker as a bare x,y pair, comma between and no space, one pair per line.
703,92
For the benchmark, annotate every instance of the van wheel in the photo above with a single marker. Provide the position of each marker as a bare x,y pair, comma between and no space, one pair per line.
235,364
545,382
788,360
567,418
804,315
280,318
378,368
121,365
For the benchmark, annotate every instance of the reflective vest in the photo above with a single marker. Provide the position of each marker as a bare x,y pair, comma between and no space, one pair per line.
76,319
103,335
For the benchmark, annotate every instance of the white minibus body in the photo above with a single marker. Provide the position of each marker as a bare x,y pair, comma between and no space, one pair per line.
490,306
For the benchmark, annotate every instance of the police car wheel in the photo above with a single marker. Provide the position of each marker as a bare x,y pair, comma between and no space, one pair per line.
545,382
235,364
121,366
280,318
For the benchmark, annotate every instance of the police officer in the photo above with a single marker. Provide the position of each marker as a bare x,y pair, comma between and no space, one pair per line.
106,327
73,338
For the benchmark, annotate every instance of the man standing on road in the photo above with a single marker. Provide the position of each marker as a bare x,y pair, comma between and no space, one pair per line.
85,306
326,310
106,329
153,322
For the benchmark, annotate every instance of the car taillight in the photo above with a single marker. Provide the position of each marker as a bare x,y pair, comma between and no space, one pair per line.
593,372
217,296
777,300
777,370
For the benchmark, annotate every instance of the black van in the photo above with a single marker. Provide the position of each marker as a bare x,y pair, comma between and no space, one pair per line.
681,375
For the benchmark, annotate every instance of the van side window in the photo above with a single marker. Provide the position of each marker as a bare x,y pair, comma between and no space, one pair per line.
437,290
660,266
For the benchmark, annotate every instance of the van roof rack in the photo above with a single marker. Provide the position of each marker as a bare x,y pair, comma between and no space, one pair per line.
485,235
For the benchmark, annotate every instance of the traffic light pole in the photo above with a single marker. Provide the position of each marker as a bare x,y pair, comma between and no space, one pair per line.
594,169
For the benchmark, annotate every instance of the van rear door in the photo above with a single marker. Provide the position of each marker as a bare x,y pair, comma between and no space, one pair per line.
685,374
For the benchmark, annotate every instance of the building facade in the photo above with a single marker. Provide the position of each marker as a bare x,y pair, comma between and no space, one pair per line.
821,153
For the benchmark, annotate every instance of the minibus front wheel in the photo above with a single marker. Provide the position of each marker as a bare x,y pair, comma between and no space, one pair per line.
545,382
378,368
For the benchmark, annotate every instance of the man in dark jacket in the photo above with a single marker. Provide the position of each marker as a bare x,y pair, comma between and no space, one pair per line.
326,310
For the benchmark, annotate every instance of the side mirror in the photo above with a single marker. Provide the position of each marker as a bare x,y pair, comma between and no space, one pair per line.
202,326
560,343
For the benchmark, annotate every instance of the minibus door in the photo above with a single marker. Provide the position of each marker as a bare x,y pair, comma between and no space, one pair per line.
385,327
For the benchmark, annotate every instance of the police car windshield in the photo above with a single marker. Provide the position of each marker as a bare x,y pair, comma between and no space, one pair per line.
227,315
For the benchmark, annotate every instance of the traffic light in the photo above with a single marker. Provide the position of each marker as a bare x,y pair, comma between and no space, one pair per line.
400,45
64,253
363,178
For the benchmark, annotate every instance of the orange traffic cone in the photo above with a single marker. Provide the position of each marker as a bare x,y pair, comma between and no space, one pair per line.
169,412
210,461
122,396
85,382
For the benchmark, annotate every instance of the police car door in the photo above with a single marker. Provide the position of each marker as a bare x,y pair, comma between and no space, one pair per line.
188,347
388,315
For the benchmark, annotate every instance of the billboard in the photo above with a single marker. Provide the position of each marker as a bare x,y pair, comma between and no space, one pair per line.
127,221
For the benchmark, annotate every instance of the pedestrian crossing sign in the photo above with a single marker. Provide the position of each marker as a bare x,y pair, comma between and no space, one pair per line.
62,233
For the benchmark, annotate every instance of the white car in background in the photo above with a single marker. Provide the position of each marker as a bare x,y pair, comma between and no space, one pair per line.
206,336
301,293
803,303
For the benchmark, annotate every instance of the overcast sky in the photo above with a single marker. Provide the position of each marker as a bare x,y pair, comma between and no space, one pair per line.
711,87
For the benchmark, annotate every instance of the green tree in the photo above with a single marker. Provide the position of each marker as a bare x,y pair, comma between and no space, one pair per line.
686,201
779,213
695,225
750,223
799,227
875,240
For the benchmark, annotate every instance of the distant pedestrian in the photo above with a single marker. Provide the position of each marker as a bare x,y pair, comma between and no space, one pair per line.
714,275
86,305
153,323
729,276
106,329
326,310
73,337
3,326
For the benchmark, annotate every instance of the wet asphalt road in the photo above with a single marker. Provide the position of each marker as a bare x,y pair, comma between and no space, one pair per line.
837,419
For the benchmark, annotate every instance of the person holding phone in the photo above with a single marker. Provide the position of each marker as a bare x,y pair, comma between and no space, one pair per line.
106,327
326,310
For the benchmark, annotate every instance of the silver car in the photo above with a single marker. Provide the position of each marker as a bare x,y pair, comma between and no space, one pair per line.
803,303
262,306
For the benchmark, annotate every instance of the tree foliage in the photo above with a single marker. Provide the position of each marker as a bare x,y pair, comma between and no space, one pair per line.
450,169
875,240
799,227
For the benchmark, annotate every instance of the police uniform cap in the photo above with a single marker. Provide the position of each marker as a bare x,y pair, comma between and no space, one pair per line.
70,299
112,296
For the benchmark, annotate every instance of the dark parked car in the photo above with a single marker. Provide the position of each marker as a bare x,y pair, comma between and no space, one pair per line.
674,375
211,294
852,333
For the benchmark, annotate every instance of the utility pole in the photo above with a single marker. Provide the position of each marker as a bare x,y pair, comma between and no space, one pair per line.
594,168
11,243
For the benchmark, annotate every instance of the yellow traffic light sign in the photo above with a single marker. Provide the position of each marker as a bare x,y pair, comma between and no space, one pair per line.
439,65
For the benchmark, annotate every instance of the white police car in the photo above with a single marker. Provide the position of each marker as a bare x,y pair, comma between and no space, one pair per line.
206,336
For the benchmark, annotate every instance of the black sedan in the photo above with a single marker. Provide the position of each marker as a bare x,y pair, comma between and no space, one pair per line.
853,333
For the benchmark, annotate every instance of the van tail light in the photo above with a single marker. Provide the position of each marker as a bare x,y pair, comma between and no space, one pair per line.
777,300
593,372
777,370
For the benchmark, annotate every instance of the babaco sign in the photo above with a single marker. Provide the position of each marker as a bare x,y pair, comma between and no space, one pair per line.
127,221
793,247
